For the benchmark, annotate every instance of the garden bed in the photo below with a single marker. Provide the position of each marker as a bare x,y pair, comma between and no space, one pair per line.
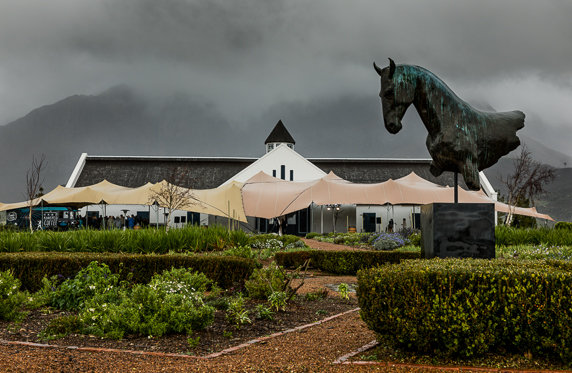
220,335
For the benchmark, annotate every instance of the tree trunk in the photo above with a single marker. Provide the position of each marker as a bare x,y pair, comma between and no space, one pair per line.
30,219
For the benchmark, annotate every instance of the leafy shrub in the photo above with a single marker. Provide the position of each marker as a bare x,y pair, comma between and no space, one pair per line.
11,298
344,291
265,280
236,313
263,241
342,262
312,235
415,239
30,268
172,302
181,281
563,225
263,312
389,241
95,279
467,307
340,240
240,251
150,310
277,300
295,245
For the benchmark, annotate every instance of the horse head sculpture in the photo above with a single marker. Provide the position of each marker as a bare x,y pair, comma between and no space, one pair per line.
460,138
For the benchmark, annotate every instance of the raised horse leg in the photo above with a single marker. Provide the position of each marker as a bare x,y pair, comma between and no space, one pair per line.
471,175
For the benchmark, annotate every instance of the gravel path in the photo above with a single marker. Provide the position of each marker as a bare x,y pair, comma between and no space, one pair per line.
319,245
309,350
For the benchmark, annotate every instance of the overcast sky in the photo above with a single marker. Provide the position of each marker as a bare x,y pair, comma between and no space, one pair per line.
248,56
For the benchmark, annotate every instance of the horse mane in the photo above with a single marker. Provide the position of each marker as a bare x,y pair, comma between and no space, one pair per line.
488,135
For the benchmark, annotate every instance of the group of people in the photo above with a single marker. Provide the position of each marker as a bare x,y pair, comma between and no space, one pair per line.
391,225
116,222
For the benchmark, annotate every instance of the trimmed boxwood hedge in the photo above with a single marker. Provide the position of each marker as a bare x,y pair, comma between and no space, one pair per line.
30,268
342,262
468,307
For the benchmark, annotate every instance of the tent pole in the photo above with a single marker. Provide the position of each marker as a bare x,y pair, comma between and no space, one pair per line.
456,187
321,219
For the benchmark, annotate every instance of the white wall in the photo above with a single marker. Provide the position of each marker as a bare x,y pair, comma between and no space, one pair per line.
303,169
387,212
323,219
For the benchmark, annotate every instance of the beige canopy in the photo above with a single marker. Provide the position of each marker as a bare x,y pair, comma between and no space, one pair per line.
268,197
222,201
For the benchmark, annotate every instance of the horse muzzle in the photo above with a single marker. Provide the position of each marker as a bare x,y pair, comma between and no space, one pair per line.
392,127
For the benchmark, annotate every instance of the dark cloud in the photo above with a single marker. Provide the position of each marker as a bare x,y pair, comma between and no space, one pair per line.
252,57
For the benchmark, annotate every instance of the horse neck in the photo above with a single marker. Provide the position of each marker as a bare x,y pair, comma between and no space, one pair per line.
431,95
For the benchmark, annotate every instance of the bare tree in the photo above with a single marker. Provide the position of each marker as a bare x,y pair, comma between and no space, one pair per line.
526,182
33,184
172,197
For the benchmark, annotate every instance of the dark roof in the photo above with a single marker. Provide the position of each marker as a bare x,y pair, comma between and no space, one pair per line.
378,170
206,173
280,134
189,172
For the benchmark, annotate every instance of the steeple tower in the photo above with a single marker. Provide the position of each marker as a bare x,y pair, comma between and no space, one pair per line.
279,135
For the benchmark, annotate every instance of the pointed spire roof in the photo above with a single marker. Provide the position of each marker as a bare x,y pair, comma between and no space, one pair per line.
280,134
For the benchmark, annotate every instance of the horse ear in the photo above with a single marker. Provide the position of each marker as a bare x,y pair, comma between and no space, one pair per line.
377,68
391,68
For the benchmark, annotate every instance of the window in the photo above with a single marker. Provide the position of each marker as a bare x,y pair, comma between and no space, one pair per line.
283,172
273,173
291,175
270,147
291,146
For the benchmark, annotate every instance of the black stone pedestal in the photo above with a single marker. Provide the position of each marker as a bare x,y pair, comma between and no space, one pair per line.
458,230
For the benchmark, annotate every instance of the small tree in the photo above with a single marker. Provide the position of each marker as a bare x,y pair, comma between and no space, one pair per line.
33,184
171,196
526,182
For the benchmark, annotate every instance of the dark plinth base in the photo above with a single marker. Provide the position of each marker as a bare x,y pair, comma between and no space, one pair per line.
461,230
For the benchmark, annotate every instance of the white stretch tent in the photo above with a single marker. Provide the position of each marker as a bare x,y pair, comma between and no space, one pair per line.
268,197
265,196
222,201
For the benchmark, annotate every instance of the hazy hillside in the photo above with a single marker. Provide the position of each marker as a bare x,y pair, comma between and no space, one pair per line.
117,122
122,122
556,202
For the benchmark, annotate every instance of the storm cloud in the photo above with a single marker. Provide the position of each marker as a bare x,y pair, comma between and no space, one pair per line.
254,58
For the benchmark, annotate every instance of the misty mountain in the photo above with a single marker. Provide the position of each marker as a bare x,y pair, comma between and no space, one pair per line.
120,121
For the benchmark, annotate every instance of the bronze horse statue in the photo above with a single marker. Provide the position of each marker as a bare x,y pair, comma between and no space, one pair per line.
460,138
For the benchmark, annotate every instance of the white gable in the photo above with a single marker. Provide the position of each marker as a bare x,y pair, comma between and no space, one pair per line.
282,161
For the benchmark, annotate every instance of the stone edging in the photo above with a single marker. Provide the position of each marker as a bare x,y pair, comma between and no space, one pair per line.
164,354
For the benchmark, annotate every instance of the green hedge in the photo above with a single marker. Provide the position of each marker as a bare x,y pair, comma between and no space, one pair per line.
468,307
30,268
563,225
342,262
